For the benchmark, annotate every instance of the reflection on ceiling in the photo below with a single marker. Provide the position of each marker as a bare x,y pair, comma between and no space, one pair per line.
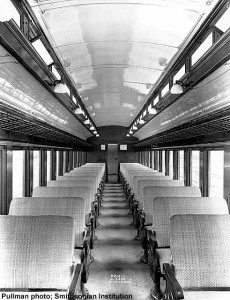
116,51
206,98
20,90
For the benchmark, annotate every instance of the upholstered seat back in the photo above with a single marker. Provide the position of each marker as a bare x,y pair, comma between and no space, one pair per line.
139,182
82,192
67,182
91,175
80,179
152,192
140,172
200,249
154,183
126,167
132,172
36,252
62,206
165,207
95,167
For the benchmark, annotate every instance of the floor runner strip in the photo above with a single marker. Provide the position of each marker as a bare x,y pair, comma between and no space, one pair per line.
116,272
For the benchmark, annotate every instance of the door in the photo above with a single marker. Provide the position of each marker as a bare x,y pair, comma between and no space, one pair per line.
112,162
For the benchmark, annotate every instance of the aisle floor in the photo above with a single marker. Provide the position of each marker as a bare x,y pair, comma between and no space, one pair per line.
116,272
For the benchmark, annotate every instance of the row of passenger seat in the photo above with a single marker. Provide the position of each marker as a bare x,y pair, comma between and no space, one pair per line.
183,234
47,238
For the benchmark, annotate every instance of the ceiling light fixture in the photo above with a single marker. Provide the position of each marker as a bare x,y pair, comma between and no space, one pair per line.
152,111
95,132
134,127
127,134
92,127
177,88
130,132
78,111
97,135
87,122
142,122
60,88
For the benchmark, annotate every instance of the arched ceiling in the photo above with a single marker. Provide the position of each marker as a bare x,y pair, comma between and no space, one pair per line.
115,52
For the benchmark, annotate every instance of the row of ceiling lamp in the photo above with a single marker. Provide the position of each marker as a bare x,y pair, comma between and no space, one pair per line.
79,111
177,88
61,88
141,120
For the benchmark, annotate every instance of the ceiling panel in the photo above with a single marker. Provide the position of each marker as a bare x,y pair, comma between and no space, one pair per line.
116,51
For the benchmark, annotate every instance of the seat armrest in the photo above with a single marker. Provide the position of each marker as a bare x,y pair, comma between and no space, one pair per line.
92,230
173,287
86,255
91,219
152,239
136,204
86,240
142,219
76,281
95,205
95,197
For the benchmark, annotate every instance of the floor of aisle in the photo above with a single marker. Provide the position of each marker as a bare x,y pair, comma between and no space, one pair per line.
116,272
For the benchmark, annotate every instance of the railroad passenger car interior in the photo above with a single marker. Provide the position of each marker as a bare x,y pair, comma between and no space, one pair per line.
115,149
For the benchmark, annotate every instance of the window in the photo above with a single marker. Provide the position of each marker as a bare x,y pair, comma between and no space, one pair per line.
8,11
40,48
179,74
152,153
149,160
171,163
223,23
55,72
48,165
163,162
35,169
196,168
68,91
65,167
216,177
74,100
57,162
18,160
207,43
156,160
78,159
181,162
156,100
165,90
